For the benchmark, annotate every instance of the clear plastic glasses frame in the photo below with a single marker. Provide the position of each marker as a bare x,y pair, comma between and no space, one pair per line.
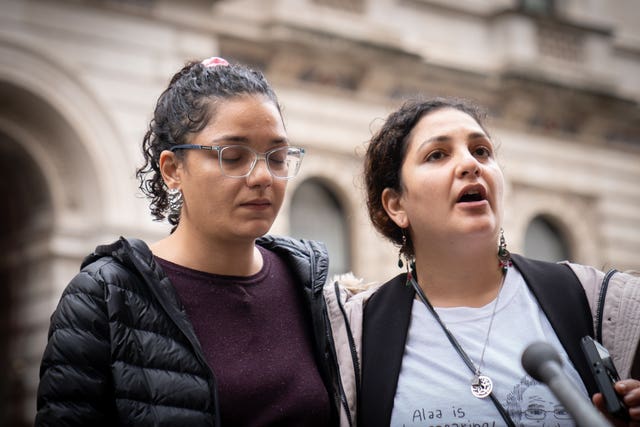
238,161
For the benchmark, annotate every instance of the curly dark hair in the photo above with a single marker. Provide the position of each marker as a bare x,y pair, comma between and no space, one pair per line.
385,156
185,108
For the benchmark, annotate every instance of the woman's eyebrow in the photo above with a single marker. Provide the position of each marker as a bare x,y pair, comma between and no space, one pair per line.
446,138
478,135
244,140
231,138
280,140
437,138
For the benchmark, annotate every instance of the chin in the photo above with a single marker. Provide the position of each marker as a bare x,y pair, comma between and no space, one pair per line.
481,229
255,230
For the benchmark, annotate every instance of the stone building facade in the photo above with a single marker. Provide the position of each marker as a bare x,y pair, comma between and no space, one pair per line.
79,78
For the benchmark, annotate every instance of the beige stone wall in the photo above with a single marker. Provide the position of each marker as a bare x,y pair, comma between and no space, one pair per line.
78,82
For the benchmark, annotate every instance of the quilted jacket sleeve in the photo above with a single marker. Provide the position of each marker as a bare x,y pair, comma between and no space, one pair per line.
75,387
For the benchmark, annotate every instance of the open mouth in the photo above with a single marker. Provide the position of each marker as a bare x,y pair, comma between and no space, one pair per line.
472,195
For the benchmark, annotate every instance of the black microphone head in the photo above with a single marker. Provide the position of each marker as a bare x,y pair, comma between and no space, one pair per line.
536,355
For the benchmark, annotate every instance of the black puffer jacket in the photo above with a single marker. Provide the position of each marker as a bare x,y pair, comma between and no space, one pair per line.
122,352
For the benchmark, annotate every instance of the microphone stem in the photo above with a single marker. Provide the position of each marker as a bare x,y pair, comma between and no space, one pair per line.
584,413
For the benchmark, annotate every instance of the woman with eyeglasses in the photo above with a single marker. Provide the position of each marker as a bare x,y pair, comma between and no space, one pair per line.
215,324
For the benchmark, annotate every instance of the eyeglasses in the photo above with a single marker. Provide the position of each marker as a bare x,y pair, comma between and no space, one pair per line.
238,161
540,413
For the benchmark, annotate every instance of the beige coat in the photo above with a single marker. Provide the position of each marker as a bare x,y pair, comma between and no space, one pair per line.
621,319
346,296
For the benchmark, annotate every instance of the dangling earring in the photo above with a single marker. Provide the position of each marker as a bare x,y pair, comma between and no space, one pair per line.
410,261
175,201
404,243
504,257
411,267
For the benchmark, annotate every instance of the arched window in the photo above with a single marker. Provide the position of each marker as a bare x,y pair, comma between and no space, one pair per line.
544,241
317,214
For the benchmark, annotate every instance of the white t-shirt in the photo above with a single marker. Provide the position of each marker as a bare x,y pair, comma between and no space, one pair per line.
434,386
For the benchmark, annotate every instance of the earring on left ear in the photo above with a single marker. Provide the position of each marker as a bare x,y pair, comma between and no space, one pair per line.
175,201
408,260
411,268
504,256
404,243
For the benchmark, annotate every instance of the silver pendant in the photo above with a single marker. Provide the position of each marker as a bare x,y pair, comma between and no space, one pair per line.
481,386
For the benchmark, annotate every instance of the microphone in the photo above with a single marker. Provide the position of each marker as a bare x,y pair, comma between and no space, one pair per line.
543,363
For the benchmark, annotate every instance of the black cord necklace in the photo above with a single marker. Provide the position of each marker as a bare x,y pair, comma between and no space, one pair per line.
481,385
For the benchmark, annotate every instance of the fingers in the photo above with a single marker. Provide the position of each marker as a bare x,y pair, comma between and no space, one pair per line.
630,391
598,401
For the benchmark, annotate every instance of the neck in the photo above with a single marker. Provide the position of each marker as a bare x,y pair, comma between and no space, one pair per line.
471,278
196,251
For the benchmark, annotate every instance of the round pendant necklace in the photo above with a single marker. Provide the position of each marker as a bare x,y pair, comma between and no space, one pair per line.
481,385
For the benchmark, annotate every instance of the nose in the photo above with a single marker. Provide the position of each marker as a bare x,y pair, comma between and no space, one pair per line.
468,165
259,175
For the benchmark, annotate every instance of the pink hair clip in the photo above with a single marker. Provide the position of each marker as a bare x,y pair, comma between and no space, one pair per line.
214,61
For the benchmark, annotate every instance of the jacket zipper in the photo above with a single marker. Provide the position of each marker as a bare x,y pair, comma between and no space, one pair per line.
601,299
192,340
317,292
342,397
328,337
352,345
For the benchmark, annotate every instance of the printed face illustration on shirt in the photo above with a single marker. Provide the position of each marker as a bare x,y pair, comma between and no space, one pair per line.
532,404
545,412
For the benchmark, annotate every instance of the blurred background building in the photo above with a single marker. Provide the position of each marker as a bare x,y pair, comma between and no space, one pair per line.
79,79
